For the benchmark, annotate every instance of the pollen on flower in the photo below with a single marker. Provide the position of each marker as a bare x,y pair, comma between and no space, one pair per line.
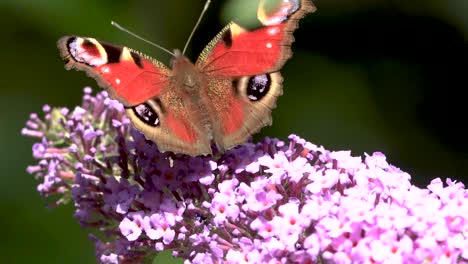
271,201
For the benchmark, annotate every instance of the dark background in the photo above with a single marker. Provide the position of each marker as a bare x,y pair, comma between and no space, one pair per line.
367,75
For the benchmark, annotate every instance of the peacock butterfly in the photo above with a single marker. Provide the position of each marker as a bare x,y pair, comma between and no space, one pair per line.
225,97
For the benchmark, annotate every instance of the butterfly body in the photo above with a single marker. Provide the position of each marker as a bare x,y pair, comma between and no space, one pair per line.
223,98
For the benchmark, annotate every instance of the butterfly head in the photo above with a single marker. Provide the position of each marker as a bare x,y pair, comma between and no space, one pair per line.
180,63
185,74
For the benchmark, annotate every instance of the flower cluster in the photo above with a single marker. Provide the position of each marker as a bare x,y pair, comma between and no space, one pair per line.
274,201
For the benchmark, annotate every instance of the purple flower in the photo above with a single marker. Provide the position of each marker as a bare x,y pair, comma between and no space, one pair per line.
276,166
132,227
160,226
264,228
39,149
78,113
269,202
222,207
258,199
51,179
119,195
109,259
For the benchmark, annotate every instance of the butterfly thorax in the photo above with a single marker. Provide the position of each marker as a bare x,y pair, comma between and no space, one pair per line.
185,74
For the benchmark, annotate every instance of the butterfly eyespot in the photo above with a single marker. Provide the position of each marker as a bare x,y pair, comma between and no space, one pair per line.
87,51
146,114
258,86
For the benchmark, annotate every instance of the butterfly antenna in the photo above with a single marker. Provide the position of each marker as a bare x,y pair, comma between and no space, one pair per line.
141,38
196,25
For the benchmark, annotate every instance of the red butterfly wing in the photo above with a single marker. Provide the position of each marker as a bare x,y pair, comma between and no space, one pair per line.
236,52
240,107
130,77
154,105
242,71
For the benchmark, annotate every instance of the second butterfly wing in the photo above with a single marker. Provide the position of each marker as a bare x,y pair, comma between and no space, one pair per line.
241,69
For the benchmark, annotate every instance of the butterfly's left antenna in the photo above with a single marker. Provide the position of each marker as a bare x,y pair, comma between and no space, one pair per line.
141,38
196,25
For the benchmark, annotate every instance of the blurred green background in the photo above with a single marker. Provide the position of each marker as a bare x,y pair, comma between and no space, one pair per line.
367,75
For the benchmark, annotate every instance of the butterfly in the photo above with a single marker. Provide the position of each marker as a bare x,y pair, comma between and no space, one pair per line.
223,98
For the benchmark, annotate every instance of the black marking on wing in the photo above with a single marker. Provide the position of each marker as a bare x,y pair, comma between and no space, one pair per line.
137,59
113,53
227,38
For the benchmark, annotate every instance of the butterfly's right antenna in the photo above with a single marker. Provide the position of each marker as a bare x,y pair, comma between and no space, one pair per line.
196,25
141,38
